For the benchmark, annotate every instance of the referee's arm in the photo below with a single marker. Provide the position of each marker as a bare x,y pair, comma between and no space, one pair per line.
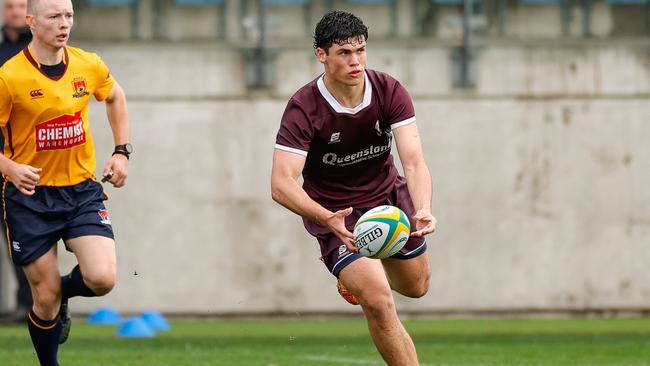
118,117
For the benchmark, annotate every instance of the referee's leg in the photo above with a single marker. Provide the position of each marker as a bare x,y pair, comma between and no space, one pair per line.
43,319
97,262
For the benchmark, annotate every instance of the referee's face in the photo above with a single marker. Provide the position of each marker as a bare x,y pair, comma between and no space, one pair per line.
51,22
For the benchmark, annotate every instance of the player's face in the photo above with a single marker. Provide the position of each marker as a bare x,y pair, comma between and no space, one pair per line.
52,21
14,13
345,63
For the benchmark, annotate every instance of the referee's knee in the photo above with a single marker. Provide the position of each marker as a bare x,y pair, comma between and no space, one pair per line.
102,282
46,304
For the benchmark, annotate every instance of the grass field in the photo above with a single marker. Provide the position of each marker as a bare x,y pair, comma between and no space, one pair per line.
594,342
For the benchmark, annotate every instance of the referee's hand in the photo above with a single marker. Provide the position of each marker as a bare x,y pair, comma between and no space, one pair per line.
117,170
25,178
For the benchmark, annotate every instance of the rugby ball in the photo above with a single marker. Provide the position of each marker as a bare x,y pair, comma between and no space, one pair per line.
381,232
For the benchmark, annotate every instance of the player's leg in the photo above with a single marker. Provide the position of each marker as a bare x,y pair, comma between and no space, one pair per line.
43,319
409,277
366,279
408,270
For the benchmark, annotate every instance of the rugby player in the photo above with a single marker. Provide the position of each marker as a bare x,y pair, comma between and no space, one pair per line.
336,131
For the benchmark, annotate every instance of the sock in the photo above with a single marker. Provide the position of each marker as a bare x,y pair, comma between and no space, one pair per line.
73,285
45,337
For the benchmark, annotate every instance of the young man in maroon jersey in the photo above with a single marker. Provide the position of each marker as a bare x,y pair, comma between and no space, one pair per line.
337,131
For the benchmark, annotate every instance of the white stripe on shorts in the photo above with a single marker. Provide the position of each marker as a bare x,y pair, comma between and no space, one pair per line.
416,249
339,262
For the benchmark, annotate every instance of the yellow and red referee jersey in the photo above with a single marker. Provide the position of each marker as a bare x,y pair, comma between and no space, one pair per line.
45,120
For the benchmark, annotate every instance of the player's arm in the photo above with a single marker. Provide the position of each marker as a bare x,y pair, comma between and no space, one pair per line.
285,190
418,178
118,117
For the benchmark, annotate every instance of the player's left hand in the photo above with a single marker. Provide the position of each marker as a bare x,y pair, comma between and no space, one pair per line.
116,169
425,223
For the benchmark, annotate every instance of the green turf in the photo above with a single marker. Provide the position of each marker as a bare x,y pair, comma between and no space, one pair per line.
592,342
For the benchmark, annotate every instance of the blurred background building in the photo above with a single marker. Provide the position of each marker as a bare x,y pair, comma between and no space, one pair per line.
535,124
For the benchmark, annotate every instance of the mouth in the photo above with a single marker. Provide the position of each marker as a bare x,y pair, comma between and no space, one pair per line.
62,37
355,72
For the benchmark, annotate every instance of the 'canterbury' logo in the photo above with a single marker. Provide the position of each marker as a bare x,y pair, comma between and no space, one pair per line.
36,93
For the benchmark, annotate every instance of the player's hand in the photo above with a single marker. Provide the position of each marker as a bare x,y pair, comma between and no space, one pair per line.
425,223
25,178
116,170
336,224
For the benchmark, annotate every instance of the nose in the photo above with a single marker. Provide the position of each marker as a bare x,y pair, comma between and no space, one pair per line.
66,23
354,60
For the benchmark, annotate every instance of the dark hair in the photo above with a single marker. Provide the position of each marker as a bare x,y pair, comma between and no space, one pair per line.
338,27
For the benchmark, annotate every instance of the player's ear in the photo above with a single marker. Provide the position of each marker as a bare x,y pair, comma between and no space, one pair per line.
320,54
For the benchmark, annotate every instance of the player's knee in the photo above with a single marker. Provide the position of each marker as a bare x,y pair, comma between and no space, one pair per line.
380,306
418,288
101,283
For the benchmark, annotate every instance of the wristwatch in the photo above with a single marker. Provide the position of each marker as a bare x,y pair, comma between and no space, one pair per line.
125,150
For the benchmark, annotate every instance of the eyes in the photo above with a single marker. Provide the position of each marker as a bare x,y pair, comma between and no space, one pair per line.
346,52
61,15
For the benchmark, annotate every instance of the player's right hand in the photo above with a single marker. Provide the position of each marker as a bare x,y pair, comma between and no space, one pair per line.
336,224
25,178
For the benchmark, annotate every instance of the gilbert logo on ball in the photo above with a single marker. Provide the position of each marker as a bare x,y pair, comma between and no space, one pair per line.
381,232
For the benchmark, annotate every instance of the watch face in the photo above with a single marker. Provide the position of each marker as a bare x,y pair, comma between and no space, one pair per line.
128,148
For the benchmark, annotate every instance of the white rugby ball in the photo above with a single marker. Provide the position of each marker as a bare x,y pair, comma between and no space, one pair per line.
381,232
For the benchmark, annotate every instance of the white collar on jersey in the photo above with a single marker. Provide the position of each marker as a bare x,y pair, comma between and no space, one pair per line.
367,96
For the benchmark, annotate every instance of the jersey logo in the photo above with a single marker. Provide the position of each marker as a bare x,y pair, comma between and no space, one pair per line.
79,87
60,133
342,250
103,215
336,137
377,129
36,93
16,246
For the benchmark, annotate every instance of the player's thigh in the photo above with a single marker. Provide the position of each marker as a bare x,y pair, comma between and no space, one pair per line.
43,277
366,279
409,277
96,257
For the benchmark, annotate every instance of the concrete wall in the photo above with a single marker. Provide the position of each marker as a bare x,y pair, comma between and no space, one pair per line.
540,177
409,18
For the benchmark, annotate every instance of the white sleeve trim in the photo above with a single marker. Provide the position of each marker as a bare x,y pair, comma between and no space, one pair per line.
405,122
291,149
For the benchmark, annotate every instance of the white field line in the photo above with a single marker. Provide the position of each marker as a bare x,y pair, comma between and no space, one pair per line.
346,360
355,361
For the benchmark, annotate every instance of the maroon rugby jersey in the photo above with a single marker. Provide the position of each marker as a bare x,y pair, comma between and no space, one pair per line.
347,150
